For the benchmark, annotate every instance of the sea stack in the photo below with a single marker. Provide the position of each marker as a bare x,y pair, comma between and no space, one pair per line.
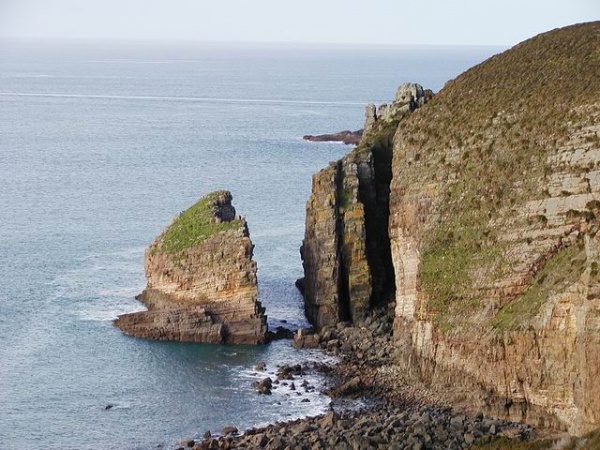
202,284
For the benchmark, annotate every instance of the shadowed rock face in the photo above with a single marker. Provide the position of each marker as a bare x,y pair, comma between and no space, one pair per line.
202,284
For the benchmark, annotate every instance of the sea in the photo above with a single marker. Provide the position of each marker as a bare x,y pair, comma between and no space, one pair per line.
101,145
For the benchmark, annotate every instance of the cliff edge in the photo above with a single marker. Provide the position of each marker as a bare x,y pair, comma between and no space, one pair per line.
202,284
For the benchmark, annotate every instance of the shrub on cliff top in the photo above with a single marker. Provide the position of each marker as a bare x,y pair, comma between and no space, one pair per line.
196,224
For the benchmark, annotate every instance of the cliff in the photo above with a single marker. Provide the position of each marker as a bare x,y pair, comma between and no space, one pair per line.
494,204
346,252
201,280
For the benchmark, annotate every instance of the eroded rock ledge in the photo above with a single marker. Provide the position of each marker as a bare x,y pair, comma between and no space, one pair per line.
202,284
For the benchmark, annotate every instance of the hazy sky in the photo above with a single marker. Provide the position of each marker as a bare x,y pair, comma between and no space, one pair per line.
501,22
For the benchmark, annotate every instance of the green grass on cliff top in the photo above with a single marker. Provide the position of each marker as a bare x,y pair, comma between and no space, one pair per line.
195,225
484,143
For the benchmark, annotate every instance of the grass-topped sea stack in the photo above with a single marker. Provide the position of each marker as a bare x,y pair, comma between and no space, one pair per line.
201,280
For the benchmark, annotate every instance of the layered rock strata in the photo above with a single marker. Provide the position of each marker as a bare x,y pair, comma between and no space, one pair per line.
493,233
202,284
494,207
345,253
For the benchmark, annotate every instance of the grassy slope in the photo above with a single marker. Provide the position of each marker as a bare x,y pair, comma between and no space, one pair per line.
195,225
485,139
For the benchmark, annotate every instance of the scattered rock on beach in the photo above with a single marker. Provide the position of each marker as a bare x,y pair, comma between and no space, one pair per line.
229,430
306,339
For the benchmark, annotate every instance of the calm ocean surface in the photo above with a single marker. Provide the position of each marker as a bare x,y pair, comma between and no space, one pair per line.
100,146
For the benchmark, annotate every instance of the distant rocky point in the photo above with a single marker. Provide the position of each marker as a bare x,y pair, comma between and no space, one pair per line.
409,96
202,284
347,137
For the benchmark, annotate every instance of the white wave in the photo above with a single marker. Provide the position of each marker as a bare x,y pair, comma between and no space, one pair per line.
108,313
69,77
182,99
144,61
323,142
33,75
306,113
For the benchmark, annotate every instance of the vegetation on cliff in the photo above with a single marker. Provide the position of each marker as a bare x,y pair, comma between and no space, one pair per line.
487,141
494,227
196,224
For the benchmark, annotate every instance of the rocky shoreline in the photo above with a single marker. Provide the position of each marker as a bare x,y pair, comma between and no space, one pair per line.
395,411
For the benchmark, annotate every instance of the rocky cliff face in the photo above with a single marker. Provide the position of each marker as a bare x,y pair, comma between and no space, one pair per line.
494,205
346,257
202,284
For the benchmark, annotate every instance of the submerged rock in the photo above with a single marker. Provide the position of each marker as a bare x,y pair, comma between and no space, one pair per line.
202,283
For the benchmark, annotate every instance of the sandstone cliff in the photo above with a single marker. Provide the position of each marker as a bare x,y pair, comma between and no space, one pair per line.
494,205
202,284
346,252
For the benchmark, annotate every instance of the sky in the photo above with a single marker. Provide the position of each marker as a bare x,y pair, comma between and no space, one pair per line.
387,22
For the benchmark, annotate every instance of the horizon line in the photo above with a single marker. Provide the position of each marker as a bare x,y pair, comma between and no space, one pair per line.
117,40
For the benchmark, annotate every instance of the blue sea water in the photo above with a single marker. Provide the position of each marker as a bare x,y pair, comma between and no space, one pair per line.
100,146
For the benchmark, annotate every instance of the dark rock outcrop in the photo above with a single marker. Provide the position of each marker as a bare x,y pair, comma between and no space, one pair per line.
201,280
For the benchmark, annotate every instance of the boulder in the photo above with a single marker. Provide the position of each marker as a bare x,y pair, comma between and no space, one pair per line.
306,339
229,430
